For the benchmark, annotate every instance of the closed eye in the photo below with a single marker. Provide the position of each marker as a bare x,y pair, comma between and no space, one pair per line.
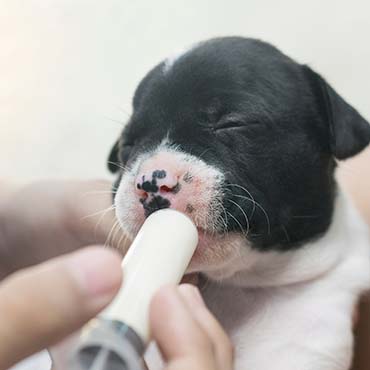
228,124
230,121
234,122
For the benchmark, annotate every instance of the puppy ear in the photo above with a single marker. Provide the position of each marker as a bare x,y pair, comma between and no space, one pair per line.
113,165
349,131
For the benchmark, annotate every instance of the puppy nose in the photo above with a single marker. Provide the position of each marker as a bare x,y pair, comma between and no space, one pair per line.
156,182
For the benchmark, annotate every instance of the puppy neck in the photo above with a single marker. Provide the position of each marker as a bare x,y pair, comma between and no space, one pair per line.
309,262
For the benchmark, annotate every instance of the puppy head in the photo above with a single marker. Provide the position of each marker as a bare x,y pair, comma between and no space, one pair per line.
243,140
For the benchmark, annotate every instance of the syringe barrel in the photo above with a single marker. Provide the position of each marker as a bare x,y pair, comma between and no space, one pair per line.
158,256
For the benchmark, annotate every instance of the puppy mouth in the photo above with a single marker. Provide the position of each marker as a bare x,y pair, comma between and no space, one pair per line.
169,178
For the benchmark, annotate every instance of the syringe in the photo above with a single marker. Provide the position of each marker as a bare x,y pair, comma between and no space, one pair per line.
159,255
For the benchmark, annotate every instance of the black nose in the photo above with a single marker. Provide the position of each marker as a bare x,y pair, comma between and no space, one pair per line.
154,203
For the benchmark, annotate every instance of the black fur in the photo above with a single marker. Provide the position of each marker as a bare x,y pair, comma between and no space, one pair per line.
273,126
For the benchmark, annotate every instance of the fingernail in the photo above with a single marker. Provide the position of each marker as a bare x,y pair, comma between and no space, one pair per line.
97,270
191,294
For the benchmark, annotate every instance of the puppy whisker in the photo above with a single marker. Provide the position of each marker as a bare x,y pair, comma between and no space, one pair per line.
254,202
122,110
236,220
121,123
103,211
223,221
286,233
249,193
93,192
242,210
119,165
109,239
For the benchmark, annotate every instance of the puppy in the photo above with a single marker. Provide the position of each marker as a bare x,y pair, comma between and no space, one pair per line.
245,141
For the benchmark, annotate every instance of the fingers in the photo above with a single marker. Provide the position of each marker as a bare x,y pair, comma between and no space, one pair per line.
43,304
362,335
90,214
222,345
65,215
186,343
182,342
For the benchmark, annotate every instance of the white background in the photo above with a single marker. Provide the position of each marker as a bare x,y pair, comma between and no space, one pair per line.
68,68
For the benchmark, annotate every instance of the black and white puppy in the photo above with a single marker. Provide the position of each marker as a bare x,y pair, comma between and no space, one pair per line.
245,141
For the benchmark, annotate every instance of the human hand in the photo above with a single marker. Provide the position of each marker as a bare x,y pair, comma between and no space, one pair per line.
43,304
187,334
362,336
354,176
48,218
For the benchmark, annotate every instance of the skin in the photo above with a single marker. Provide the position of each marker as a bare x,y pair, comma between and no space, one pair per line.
32,319
191,337
354,176
86,280
69,216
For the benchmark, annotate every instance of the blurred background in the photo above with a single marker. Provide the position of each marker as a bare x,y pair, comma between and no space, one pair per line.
68,68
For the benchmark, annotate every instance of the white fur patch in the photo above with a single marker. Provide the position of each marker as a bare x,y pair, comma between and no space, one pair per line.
173,58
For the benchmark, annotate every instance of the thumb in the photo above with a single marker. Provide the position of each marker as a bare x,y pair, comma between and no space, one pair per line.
41,305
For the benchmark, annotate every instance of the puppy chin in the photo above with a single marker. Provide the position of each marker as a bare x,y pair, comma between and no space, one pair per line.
220,256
